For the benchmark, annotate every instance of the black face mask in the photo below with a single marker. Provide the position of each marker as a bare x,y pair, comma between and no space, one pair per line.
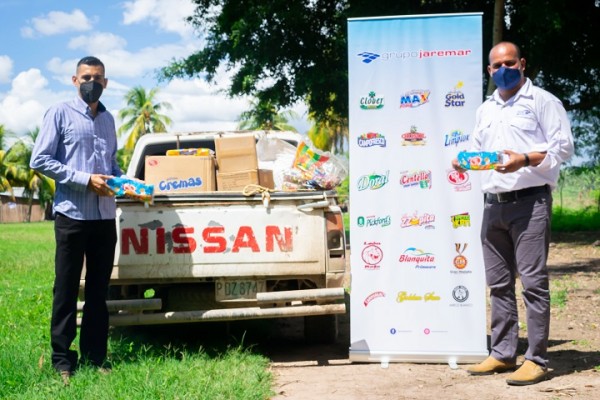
90,91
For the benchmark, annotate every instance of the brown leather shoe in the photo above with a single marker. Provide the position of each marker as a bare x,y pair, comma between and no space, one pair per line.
66,377
490,366
528,374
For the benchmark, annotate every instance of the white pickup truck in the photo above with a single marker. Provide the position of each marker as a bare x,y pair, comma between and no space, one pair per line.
224,256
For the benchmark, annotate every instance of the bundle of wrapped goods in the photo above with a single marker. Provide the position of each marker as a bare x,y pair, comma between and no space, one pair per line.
190,152
275,158
314,169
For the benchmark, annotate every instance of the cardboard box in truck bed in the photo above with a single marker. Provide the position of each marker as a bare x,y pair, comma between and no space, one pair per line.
184,174
236,181
236,153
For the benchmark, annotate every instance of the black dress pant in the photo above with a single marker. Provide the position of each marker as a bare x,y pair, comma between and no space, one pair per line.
93,241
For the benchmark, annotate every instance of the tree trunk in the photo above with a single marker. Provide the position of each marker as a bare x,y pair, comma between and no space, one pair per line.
30,208
497,33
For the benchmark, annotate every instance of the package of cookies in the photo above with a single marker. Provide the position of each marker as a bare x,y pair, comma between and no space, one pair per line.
479,160
131,188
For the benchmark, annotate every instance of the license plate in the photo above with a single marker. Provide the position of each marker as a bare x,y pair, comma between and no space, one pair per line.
235,290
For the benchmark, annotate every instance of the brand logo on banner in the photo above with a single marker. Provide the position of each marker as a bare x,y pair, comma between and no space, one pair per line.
373,181
455,138
455,98
414,98
372,255
425,220
460,261
371,102
372,220
371,139
460,180
413,138
372,297
405,296
461,220
461,295
421,179
401,55
367,57
418,257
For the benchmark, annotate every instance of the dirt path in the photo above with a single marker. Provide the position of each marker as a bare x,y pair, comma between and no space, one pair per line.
308,372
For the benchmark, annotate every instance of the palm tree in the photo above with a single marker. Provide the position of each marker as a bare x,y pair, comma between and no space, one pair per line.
21,175
329,134
265,116
124,157
5,185
142,115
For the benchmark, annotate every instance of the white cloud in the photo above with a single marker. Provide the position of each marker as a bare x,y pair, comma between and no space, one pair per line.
28,84
23,107
57,22
63,70
143,63
168,15
6,65
101,42
121,65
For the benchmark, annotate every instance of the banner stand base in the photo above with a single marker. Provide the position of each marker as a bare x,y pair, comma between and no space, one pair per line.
434,358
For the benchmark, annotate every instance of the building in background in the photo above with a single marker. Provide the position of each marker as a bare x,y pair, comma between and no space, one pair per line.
17,209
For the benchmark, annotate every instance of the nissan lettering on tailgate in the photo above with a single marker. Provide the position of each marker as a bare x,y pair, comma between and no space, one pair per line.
236,237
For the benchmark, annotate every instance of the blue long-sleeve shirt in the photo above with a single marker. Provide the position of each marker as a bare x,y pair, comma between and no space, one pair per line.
70,147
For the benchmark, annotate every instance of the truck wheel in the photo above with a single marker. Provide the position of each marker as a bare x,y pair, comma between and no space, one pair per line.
321,329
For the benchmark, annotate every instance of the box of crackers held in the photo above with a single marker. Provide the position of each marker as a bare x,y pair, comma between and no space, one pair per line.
479,160
131,188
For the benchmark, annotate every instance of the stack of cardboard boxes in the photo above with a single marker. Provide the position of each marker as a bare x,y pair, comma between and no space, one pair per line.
236,167
237,164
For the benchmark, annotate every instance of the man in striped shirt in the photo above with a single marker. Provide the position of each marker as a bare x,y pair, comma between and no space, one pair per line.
77,147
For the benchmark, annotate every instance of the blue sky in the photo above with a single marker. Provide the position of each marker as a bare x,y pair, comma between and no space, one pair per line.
44,39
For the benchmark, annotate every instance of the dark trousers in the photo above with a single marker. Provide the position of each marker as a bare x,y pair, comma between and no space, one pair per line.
95,242
516,238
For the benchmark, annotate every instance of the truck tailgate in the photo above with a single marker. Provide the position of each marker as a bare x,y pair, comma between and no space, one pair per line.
221,236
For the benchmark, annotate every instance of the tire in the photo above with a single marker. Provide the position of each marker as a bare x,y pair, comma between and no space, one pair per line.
321,329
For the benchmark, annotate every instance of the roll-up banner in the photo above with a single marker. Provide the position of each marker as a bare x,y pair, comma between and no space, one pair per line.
418,282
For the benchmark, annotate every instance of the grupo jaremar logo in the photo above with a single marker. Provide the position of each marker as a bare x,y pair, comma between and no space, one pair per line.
367,57
421,54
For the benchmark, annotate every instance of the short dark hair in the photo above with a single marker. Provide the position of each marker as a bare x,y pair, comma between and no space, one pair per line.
90,60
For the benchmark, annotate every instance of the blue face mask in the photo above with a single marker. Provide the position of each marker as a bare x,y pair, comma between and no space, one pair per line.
507,78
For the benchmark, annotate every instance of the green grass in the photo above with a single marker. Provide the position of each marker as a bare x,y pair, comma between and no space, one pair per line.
575,220
558,298
147,363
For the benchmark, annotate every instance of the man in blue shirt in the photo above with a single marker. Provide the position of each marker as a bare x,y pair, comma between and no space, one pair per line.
77,147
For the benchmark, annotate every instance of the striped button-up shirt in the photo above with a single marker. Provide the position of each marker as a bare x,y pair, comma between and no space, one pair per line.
71,146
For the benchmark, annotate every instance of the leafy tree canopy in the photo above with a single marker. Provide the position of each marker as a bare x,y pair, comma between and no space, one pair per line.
282,51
